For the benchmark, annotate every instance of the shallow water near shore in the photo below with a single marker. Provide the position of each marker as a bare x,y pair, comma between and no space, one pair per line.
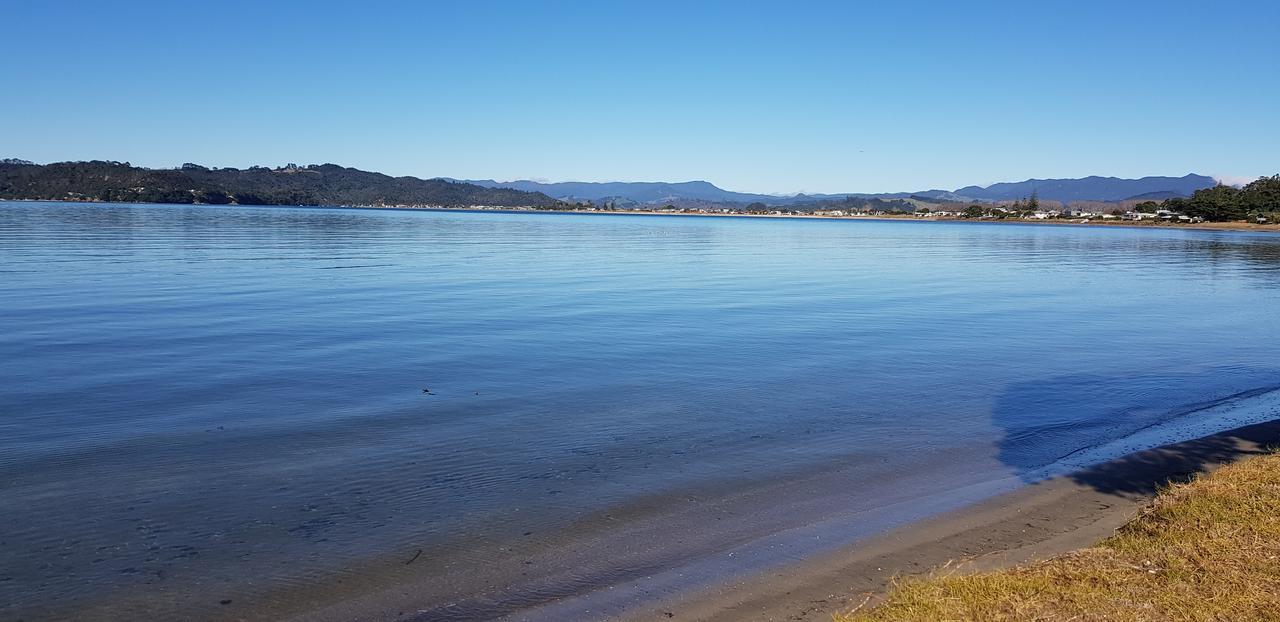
220,411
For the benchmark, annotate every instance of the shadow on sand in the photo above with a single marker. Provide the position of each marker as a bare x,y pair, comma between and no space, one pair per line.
1049,423
1144,472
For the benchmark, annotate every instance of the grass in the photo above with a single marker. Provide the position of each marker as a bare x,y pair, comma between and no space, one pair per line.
1205,550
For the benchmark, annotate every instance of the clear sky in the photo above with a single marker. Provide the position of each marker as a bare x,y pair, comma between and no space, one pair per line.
764,97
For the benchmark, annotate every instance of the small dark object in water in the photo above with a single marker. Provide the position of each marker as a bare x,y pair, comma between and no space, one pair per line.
415,557
428,391
225,601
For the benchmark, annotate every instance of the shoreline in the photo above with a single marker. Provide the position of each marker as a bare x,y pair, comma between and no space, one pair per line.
1041,520
670,557
1238,226
618,568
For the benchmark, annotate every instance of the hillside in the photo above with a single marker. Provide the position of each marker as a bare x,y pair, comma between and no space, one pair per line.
325,184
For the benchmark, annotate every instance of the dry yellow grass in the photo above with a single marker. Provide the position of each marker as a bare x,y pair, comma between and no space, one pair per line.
1204,550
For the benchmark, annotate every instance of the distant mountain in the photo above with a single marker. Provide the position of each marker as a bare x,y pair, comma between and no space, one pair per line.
323,184
1086,189
1089,188
1156,196
638,191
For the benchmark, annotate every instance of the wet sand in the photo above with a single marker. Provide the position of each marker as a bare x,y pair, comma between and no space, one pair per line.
1041,520
635,567
629,558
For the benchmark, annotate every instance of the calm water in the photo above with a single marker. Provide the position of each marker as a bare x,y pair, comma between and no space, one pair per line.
200,404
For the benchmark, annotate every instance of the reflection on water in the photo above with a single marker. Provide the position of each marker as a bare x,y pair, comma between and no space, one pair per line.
213,403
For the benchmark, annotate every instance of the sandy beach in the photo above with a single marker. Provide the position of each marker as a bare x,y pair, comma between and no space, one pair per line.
1032,522
1042,520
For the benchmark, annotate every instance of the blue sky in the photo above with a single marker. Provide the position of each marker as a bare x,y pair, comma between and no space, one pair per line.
764,97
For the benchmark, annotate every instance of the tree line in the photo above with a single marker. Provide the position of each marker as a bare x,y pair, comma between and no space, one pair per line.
1260,198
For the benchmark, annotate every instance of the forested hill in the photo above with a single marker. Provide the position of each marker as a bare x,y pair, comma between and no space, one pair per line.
324,184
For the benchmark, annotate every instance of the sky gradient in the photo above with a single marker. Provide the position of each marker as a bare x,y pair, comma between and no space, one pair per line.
760,97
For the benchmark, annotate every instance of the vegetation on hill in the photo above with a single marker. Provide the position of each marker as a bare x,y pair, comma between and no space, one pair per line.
324,184
1206,550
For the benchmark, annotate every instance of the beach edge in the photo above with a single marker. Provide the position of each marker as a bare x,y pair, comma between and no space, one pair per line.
1038,521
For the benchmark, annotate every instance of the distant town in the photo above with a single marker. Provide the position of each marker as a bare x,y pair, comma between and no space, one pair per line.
1151,213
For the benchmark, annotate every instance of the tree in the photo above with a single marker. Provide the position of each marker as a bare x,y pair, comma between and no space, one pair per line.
1033,205
1262,196
974,211
1219,203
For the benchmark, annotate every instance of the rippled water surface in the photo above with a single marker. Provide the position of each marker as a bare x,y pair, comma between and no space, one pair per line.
209,404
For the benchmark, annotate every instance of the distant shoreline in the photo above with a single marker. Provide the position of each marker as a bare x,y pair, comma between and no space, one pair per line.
1072,222
1142,224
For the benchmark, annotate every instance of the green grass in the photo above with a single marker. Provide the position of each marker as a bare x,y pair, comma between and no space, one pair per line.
1204,550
